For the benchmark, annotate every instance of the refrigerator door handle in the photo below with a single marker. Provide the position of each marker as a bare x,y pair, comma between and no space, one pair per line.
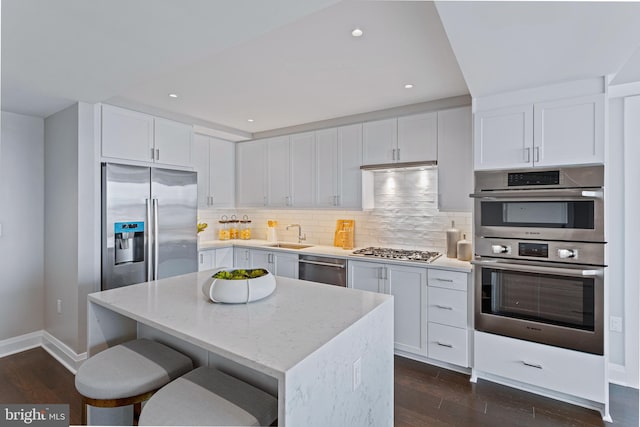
155,239
148,231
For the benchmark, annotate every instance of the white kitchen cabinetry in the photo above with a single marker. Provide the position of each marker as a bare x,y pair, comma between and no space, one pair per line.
455,160
214,160
215,258
303,170
403,139
338,160
251,173
130,135
278,263
241,258
408,286
448,317
562,132
552,368
278,171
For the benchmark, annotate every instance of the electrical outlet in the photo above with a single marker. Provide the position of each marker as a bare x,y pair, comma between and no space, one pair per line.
357,373
615,324
59,306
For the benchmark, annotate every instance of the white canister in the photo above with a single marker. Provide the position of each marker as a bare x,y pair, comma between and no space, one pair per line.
464,249
453,235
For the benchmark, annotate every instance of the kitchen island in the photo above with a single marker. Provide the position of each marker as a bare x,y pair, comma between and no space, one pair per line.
325,352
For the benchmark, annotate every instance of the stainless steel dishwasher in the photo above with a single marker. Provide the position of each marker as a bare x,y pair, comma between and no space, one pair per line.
332,271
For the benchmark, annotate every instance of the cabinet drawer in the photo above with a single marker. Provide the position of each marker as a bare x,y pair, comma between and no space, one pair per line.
447,307
566,371
448,344
448,279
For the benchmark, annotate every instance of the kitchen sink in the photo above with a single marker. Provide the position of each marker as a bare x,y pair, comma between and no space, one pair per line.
289,246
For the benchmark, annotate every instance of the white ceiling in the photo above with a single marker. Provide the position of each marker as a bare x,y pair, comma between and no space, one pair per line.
289,62
503,46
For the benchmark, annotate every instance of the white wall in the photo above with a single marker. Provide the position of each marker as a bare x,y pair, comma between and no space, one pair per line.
22,219
405,216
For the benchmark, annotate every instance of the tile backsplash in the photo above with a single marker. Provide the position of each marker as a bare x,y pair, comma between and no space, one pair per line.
405,215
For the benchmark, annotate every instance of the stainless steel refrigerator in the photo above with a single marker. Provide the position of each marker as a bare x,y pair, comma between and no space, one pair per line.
149,224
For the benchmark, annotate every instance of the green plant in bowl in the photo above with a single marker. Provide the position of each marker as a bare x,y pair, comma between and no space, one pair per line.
240,274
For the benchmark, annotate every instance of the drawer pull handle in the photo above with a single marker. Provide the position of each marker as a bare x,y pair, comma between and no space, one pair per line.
444,280
532,365
444,344
444,307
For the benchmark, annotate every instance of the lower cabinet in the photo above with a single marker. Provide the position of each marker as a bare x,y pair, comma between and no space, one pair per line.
431,306
215,258
553,368
408,285
279,264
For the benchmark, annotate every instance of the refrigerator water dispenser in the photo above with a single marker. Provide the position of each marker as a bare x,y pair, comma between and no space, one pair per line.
129,242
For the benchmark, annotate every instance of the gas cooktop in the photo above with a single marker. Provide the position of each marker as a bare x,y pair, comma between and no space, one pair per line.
399,254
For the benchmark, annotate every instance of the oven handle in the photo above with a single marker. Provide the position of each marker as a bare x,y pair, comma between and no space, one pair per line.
578,192
540,269
324,264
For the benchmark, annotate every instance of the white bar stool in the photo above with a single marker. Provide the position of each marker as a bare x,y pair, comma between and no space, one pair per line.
128,374
208,397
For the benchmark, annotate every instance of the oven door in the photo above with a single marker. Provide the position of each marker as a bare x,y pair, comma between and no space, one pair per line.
556,305
562,214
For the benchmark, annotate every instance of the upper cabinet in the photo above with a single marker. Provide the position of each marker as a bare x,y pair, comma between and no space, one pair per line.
404,139
562,132
304,170
455,162
129,135
214,160
338,161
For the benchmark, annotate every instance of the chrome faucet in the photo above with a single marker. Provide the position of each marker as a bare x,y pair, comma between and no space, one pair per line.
301,235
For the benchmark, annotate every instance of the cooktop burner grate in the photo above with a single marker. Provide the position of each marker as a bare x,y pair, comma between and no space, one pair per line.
399,254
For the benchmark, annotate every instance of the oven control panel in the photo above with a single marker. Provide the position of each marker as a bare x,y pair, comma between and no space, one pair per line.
535,250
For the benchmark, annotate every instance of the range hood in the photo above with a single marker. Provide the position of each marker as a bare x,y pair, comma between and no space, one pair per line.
426,164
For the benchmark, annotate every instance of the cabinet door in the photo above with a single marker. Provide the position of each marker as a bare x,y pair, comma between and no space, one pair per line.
221,173
201,165
263,259
408,285
455,164
251,173
569,131
172,142
126,134
349,162
286,265
417,137
224,258
278,171
206,260
327,167
380,141
366,276
303,170
504,138
241,258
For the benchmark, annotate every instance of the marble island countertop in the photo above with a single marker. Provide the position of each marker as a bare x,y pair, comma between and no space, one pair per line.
307,337
442,262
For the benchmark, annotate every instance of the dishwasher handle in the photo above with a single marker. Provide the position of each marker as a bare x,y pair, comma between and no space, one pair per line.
324,264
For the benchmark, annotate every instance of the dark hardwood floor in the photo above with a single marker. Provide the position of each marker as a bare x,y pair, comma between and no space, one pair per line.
425,395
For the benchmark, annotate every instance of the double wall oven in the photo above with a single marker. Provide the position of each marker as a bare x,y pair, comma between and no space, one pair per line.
540,256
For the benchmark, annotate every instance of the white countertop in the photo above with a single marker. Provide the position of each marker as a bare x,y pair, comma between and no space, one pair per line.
271,335
442,262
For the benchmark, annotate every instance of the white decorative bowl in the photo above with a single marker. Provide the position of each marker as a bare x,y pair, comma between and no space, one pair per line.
239,291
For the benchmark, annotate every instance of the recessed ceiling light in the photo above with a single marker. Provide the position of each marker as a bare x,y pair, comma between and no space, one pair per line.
173,95
408,86
250,120
357,32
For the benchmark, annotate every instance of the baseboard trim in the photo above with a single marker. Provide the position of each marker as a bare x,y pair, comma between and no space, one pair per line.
62,352
52,345
20,343
618,375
